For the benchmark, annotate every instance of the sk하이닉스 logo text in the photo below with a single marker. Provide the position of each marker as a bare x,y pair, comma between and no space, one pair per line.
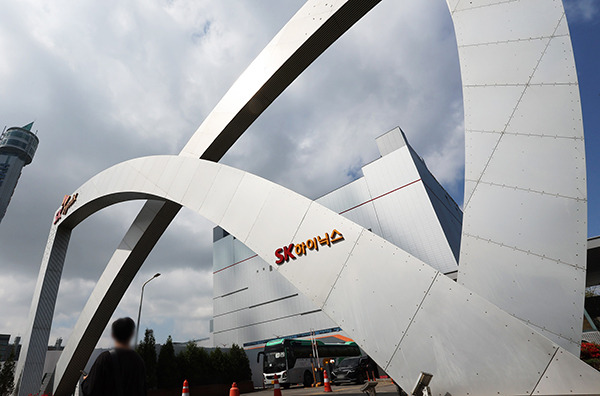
284,254
67,202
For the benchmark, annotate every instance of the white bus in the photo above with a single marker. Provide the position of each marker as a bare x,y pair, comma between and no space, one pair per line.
294,361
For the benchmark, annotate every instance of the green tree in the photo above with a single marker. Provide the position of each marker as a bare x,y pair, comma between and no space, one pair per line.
194,364
201,368
147,350
220,366
166,372
7,373
239,365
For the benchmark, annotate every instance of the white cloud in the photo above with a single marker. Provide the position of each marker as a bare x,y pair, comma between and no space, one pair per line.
581,10
110,81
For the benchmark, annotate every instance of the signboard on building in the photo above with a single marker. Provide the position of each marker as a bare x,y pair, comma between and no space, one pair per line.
285,253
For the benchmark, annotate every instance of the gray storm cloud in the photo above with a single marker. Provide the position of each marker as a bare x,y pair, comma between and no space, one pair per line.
110,81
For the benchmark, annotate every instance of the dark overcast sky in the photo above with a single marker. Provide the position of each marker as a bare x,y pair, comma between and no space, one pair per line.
108,81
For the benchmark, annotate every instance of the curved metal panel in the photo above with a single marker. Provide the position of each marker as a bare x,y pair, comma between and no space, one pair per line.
524,228
303,39
438,327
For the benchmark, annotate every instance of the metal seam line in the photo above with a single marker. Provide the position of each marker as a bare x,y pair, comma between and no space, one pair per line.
526,189
455,7
302,221
411,320
512,41
262,207
546,369
512,114
523,251
527,134
545,329
561,84
343,267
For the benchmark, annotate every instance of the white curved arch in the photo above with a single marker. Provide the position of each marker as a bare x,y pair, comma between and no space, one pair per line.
266,216
525,210
520,90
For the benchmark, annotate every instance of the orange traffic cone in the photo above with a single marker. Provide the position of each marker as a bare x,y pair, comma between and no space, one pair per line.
186,389
276,388
234,391
326,382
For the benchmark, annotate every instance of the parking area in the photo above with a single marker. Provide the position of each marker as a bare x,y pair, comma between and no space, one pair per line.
384,387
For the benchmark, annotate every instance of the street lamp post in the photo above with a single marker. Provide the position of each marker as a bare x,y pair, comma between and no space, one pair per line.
137,329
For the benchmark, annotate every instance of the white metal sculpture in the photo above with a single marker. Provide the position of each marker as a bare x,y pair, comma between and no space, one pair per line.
524,235
407,316
506,50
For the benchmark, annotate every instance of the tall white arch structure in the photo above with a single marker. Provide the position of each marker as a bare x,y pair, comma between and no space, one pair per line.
423,322
523,122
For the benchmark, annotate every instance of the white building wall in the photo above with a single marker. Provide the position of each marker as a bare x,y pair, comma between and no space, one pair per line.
397,198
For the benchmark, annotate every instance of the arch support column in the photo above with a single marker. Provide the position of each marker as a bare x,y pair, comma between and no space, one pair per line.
35,344
114,281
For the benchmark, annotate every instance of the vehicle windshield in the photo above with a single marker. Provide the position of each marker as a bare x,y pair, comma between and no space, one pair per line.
274,362
349,362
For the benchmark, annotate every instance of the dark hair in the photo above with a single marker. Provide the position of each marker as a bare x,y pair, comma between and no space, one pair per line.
123,329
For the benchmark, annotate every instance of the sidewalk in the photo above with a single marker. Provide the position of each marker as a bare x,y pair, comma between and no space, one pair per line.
385,387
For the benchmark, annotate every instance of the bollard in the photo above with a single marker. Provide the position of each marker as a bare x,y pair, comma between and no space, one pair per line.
276,388
327,387
234,391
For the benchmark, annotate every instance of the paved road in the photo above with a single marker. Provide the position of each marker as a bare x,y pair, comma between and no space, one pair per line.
384,387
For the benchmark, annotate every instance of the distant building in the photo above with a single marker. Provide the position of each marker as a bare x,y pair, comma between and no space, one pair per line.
58,346
6,347
17,148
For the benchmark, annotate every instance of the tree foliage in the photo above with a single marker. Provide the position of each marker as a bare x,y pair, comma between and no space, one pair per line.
194,364
7,373
147,350
166,373
220,366
239,364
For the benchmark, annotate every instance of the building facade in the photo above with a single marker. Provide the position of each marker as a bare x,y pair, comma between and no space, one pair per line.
397,198
6,348
17,148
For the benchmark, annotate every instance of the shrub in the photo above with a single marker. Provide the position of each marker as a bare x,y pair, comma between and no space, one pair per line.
590,353
590,350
